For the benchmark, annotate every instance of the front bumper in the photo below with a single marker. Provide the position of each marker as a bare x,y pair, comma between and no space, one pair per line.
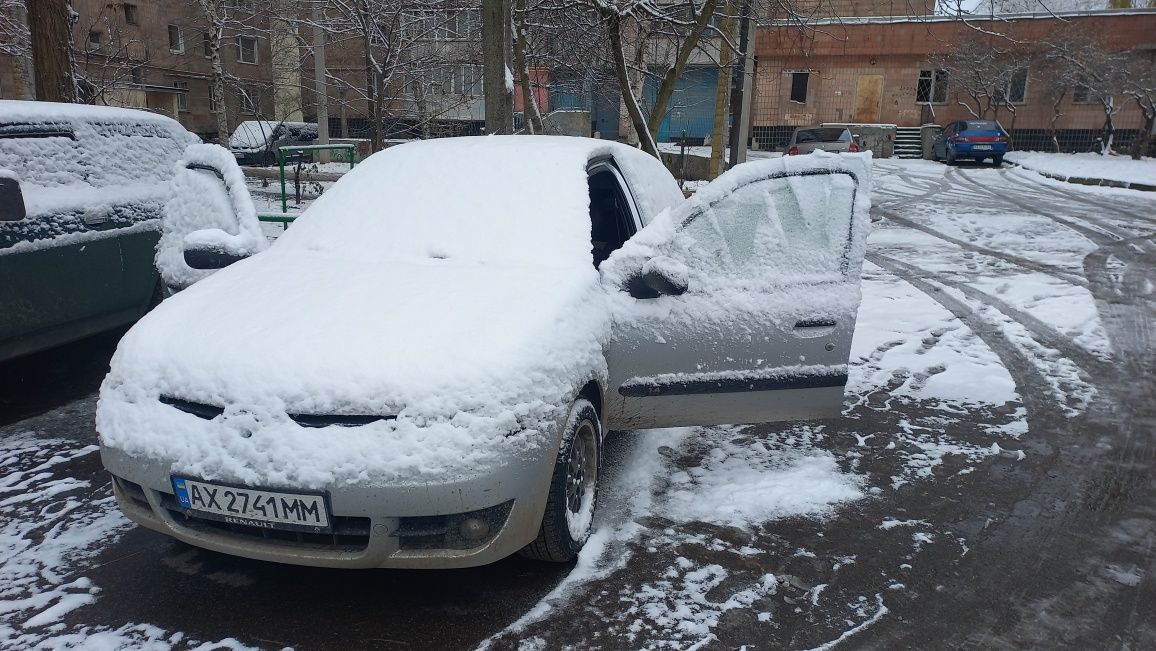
374,526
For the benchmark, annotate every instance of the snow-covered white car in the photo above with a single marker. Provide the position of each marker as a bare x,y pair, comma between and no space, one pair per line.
420,371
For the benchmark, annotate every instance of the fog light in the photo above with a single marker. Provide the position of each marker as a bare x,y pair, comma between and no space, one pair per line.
474,528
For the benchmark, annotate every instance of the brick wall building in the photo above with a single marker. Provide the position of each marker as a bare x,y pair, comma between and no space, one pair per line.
154,55
869,70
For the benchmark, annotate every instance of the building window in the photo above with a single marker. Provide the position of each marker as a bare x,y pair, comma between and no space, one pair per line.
247,49
130,14
137,75
247,97
212,101
799,82
182,97
442,25
1018,88
1080,93
94,40
932,87
205,46
176,39
468,80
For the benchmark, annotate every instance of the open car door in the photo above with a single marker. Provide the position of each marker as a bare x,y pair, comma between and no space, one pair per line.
739,305
209,212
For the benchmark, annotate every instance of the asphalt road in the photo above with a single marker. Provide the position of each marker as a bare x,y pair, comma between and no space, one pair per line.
1049,545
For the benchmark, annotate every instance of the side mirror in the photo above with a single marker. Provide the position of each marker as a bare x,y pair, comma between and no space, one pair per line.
665,276
12,207
212,248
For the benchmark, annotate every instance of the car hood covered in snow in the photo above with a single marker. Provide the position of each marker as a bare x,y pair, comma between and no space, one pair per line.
315,334
475,363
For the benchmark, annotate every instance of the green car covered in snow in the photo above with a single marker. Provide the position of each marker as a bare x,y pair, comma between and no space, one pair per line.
82,189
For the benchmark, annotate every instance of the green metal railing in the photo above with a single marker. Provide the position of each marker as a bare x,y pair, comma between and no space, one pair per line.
351,156
283,218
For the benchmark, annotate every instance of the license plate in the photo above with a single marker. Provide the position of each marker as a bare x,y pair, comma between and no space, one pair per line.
251,507
984,147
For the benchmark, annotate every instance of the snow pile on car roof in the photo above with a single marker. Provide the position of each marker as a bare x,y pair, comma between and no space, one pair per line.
492,199
50,144
251,134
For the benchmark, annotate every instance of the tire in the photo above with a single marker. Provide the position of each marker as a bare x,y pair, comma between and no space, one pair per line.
573,493
950,156
997,161
934,154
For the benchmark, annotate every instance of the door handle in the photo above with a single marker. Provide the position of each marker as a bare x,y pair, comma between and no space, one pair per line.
815,323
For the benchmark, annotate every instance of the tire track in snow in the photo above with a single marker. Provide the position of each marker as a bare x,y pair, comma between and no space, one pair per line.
1038,185
1020,261
1044,334
1031,384
1100,234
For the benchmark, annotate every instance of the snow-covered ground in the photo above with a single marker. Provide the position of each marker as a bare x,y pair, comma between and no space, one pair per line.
52,525
689,535
1088,166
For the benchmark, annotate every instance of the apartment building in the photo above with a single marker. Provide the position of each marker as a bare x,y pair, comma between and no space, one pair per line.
154,55
423,63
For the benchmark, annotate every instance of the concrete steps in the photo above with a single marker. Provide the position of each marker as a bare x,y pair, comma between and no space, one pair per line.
908,143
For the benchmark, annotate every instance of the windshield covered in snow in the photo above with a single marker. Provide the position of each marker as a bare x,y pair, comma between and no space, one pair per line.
460,200
253,133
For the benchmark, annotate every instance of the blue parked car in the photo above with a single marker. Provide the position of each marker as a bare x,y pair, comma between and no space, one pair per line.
971,139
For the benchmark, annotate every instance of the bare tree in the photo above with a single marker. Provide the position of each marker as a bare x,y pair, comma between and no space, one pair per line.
718,138
418,56
522,47
499,79
1100,73
221,20
984,73
14,37
111,57
1140,86
49,22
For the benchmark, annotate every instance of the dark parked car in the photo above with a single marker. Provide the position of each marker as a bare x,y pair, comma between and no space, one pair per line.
971,139
255,142
82,190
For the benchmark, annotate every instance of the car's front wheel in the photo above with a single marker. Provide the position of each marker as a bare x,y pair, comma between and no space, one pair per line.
573,488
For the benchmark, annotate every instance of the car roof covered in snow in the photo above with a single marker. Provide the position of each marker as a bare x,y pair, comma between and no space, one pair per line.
76,156
48,112
508,199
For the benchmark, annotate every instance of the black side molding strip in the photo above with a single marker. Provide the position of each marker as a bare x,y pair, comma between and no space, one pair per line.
732,385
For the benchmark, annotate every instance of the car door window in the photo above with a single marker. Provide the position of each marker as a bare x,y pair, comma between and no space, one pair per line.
785,229
612,219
